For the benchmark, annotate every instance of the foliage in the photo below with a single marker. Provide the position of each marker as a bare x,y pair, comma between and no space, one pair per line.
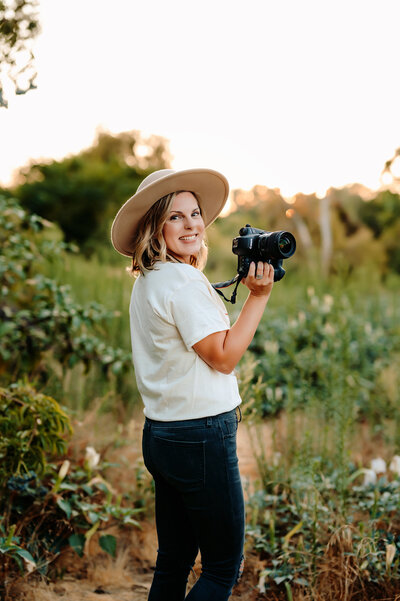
31,426
301,536
42,327
65,507
18,27
82,193
381,216
328,349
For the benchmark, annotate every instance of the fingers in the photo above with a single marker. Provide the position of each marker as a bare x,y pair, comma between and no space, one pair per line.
260,278
260,271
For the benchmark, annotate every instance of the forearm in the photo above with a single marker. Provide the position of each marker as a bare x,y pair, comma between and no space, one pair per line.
223,350
239,337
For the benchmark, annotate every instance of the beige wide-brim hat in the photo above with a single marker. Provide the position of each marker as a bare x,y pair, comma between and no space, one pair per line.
210,187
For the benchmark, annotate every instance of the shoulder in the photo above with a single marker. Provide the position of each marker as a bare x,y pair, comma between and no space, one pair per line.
172,275
168,280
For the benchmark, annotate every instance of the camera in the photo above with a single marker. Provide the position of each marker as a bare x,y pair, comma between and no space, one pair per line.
254,244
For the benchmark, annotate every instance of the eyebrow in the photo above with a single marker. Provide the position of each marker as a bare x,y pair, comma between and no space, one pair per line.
181,212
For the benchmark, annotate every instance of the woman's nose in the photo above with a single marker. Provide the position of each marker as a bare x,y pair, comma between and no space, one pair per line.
189,222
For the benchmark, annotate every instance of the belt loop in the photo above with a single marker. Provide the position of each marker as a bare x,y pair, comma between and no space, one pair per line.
239,414
209,422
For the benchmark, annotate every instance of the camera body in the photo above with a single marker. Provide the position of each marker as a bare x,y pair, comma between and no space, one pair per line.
254,244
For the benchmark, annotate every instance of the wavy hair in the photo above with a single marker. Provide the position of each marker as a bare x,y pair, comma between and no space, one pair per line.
149,243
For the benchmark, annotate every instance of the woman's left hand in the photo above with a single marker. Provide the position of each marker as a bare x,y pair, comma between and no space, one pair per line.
259,279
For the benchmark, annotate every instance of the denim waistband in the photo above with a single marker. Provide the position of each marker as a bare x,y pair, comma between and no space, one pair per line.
199,421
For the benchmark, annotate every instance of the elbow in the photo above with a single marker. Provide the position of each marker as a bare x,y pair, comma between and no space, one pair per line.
225,368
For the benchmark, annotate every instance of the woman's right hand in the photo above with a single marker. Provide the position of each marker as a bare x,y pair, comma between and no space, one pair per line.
259,279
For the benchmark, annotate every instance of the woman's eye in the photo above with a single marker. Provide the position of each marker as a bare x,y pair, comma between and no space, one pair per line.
196,214
174,217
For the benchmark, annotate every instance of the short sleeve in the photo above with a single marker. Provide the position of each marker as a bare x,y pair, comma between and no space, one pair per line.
196,314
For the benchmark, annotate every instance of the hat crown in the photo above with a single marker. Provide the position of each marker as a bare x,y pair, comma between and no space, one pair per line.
153,177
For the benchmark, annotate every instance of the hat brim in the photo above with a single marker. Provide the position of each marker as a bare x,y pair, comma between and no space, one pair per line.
210,187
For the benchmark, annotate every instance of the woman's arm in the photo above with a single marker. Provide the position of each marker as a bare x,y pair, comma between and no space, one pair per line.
223,350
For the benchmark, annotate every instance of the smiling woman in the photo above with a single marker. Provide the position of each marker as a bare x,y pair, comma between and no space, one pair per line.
184,352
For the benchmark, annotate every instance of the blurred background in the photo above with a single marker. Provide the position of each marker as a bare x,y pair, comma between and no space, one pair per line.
297,103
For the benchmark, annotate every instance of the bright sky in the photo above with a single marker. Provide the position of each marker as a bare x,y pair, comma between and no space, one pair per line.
299,95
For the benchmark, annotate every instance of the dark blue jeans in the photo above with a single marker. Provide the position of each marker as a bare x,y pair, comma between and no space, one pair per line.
199,505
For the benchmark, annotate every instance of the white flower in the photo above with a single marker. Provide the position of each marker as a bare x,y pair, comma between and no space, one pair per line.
395,465
368,328
378,465
63,470
327,303
310,291
269,393
92,457
302,317
271,346
369,477
276,458
329,329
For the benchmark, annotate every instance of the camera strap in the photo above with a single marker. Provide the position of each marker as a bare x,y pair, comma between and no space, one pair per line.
237,279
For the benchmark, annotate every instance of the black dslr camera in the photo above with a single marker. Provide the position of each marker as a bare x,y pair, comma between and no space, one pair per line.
255,245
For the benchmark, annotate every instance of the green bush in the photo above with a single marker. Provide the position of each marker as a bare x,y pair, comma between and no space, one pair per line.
32,425
332,350
43,331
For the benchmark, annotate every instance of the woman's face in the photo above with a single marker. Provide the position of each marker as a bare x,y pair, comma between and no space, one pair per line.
184,229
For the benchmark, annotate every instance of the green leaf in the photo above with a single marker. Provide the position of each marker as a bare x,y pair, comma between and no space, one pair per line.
77,542
65,506
109,544
93,517
25,555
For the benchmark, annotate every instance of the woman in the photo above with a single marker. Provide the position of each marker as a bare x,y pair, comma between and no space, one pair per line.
184,353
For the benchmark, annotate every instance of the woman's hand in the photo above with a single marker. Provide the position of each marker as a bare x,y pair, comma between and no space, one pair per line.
259,279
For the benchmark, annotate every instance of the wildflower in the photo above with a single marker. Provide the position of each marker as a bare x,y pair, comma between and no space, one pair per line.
395,465
310,291
276,458
378,465
368,328
271,346
92,457
327,303
369,477
329,329
63,470
302,317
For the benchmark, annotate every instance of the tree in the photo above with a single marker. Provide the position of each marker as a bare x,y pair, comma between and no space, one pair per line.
19,25
82,193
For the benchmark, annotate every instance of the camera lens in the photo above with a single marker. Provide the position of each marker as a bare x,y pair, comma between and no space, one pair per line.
276,245
285,244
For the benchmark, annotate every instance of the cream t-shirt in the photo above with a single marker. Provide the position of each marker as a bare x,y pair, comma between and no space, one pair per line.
172,307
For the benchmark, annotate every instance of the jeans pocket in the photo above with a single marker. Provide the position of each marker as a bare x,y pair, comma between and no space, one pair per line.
181,463
230,427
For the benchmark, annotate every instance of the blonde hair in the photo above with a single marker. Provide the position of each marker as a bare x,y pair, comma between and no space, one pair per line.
149,243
